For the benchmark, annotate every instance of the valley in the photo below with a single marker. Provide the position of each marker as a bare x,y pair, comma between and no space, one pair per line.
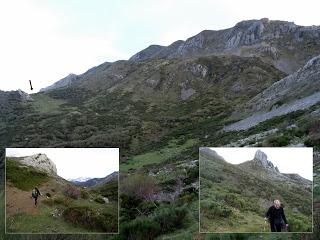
165,102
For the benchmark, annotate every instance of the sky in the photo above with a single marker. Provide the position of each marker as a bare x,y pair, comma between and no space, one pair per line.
288,160
45,40
74,163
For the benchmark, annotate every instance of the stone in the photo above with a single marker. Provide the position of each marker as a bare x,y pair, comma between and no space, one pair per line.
187,93
40,161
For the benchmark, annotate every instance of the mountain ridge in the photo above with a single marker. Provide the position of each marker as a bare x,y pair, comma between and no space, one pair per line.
264,38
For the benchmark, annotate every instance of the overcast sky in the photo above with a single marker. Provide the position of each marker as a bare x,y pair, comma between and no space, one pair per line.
73,163
45,40
288,160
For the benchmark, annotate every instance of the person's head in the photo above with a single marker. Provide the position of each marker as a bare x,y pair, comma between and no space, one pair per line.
276,203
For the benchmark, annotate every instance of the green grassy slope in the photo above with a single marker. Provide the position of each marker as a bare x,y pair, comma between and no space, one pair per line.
235,199
62,208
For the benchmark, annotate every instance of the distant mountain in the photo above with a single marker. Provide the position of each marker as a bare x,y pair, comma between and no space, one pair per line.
64,82
285,45
245,191
90,182
276,41
80,179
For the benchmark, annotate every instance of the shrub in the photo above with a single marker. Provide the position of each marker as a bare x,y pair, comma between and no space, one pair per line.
170,217
48,202
128,207
109,190
234,200
140,229
280,141
62,201
72,191
84,194
214,209
139,186
89,218
99,200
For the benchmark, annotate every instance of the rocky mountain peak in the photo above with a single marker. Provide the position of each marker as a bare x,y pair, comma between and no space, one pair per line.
23,96
40,161
261,159
146,53
66,81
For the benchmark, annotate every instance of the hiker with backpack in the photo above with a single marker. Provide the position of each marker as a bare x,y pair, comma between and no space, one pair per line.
35,194
276,217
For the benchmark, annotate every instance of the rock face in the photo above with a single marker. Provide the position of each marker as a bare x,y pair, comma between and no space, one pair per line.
297,91
41,162
279,43
67,81
302,83
146,53
23,96
251,37
261,159
12,98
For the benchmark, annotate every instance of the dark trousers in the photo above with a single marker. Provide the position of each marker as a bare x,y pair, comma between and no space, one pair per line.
275,227
35,201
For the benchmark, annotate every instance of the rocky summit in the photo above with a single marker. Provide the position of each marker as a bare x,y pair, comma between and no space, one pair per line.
260,158
40,161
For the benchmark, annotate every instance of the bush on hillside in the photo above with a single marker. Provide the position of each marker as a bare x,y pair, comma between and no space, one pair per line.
72,192
99,200
140,229
278,141
62,201
170,217
234,200
48,202
91,219
129,205
212,209
139,186
84,194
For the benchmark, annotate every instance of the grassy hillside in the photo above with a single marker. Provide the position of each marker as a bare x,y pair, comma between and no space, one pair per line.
62,208
235,199
138,107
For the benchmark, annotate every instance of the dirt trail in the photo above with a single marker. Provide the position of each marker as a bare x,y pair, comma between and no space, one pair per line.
18,201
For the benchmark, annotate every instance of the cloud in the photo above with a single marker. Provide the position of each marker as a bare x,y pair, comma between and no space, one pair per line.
35,47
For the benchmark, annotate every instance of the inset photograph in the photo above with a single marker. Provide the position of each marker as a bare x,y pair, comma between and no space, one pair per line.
251,190
62,190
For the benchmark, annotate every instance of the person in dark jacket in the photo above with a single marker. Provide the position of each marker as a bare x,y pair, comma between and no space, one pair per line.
276,217
35,194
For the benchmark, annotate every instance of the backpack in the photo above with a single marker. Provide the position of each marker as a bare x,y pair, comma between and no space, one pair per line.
34,193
